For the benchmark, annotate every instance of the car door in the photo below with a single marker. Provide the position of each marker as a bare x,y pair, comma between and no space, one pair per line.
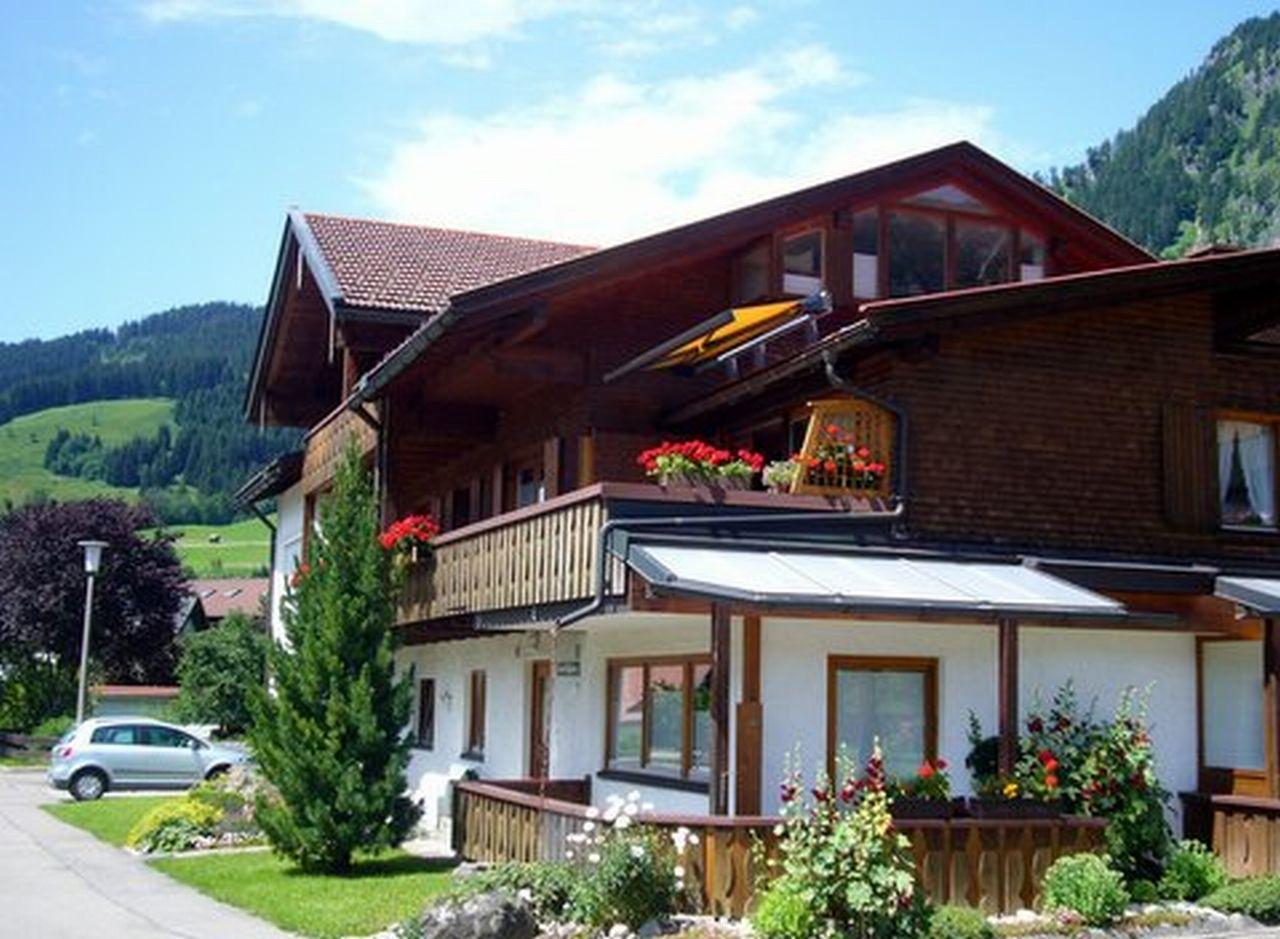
119,750
171,756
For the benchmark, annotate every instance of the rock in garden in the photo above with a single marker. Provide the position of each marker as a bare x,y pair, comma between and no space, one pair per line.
488,916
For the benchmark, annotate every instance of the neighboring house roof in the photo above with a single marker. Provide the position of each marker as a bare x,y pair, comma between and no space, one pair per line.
227,595
962,158
271,480
136,691
394,266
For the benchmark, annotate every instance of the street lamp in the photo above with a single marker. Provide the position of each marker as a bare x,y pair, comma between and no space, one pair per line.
92,561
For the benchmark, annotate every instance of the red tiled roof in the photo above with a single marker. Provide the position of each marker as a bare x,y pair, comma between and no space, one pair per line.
388,265
221,596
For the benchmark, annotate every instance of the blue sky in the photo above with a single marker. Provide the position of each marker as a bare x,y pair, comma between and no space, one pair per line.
151,147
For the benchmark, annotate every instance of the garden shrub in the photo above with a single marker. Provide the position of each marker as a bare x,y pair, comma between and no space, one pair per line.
841,853
53,726
784,910
1085,884
629,878
1192,871
546,886
1143,891
173,826
234,795
1257,897
959,922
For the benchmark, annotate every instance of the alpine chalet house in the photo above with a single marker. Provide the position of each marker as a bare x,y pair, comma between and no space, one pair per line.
1009,448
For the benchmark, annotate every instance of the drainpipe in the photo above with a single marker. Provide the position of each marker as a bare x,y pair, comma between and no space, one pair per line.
684,521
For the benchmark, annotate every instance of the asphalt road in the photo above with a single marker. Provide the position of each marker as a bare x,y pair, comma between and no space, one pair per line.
57,882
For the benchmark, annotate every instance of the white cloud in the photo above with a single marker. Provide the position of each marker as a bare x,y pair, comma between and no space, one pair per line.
430,22
741,16
617,158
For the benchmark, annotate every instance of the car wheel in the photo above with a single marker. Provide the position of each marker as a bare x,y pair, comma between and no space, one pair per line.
87,785
217,771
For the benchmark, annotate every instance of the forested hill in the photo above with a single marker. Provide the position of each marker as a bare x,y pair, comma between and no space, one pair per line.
1203,164
199,357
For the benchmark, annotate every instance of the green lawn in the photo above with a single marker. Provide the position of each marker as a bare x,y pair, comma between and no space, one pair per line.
23,441
24,760
108,819
378,893
236,550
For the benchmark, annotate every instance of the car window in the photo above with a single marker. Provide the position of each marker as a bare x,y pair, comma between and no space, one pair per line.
120,734
165,737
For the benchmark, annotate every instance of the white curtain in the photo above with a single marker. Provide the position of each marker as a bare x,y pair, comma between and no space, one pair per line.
1257,462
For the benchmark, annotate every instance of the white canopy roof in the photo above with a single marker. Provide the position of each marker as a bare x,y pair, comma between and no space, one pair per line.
864,583
1260,594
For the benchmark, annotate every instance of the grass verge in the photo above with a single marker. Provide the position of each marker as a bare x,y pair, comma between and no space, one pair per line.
108,819
379,891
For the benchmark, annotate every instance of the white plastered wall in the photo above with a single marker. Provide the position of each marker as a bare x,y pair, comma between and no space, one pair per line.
289,522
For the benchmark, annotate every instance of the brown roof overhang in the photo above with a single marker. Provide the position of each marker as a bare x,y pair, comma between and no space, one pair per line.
884,321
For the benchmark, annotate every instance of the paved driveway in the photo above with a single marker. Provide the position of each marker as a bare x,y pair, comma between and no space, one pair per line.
57,881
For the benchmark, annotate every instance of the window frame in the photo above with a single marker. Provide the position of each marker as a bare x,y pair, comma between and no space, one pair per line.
792,235
926,665
477,707
1228,780
427,711
687,777
1249,417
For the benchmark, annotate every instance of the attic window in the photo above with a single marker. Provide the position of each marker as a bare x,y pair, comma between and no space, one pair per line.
751,274
1031,262
983,253
866,254
917,253
948,197
802,264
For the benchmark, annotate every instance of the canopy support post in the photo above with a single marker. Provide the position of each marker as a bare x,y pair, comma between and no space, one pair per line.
749,727
1007,691
1271,702
720,662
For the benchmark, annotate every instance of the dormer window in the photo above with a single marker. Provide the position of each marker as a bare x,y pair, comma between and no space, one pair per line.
866,254
802,264
917,253
983,253
1031,262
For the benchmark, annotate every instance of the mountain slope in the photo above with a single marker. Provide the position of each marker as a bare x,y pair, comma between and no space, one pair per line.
1203,164
186,463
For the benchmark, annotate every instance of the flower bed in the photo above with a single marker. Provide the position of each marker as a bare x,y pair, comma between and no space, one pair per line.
697,463
217,813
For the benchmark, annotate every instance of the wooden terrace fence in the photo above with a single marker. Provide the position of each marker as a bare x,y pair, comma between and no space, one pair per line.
1242,830
993,864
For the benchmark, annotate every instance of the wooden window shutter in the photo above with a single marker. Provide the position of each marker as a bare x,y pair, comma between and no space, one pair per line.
1190,468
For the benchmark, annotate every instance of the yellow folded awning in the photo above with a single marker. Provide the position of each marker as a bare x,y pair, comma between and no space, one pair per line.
747,323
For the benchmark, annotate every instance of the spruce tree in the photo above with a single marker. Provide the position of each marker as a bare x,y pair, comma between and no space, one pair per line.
331,735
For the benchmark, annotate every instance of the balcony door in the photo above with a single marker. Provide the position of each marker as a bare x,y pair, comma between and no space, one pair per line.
539,720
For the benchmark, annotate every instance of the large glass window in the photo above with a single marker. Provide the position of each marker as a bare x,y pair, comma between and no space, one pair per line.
1231,692
802,264
1247,473
890,700
866,252
751,275
660,716
917,253
1031,262
982,253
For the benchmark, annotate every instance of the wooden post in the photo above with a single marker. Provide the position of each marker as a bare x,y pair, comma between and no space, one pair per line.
1007,691
1271,702
750,723
719,801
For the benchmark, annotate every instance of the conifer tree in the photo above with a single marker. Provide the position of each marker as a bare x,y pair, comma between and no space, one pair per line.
331,735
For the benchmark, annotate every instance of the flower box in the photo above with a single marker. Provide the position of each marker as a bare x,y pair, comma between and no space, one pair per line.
1014,808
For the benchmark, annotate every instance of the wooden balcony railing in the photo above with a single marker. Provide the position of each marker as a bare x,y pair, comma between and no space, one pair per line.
547,553
996,865
326,441
1242,830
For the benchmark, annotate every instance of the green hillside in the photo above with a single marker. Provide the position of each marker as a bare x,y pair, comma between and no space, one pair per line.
240,549
1203,164
23,441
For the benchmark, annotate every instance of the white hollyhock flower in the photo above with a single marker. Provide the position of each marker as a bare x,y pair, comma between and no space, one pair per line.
622,821
593,857
679,871
593,812
588,826
637,850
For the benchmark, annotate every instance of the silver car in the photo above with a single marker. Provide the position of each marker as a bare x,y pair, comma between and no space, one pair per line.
134,753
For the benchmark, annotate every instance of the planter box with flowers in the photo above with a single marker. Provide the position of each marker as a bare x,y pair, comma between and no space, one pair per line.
927,794
409,539
697,463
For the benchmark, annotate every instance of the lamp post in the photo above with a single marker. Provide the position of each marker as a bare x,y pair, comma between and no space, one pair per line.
92,561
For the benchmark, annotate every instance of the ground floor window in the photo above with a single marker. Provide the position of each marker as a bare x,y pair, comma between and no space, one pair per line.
660,716
427,714
1231,703
476,694
893,700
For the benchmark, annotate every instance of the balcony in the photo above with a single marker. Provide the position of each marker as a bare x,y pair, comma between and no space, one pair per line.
547,554
326,441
